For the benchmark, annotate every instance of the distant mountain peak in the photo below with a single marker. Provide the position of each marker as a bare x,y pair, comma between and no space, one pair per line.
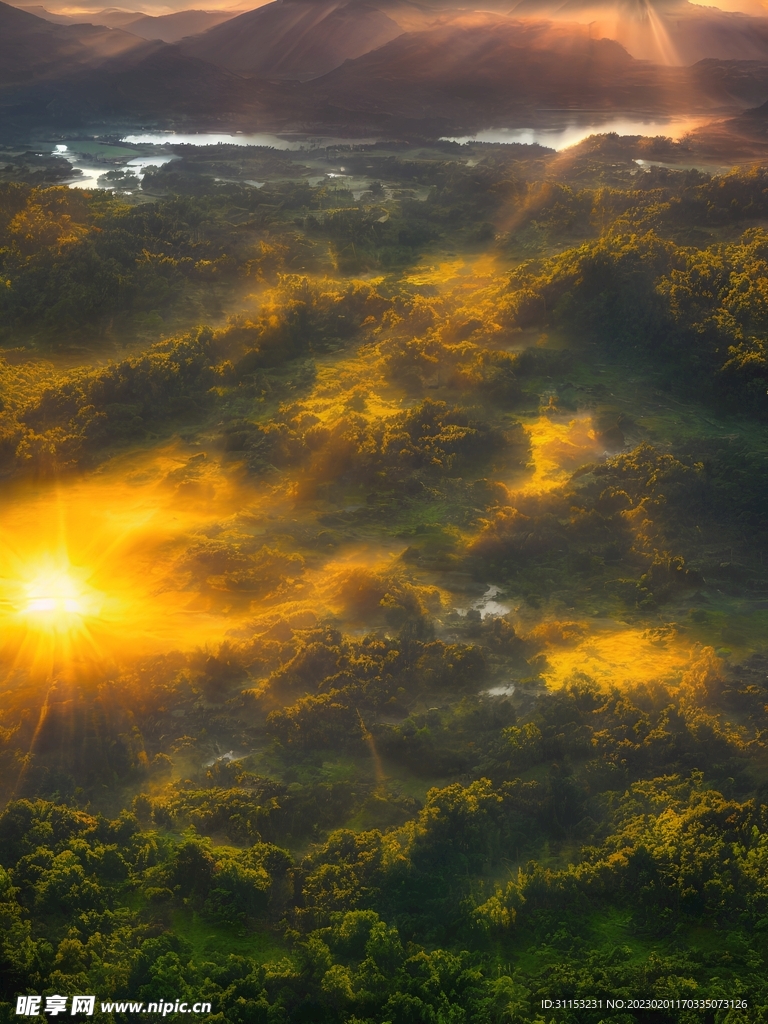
297,39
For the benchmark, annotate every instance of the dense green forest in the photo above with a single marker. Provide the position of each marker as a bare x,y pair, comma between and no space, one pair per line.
460,486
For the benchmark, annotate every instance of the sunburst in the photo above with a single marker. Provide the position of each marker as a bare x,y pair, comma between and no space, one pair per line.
58,599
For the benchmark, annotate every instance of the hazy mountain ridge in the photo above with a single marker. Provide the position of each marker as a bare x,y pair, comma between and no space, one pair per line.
32,48
302,39
167,27
68,74
41,12
172,27
502,67
674,32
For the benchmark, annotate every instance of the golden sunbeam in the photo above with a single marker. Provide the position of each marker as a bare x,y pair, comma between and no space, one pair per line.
87,568
378,768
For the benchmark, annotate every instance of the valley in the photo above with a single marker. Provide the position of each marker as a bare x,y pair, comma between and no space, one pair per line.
383,547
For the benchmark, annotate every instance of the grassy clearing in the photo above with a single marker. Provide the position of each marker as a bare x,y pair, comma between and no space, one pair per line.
205,938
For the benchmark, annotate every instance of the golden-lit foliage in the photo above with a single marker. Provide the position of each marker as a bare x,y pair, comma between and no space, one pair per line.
35,219
615,655
366,421
363,593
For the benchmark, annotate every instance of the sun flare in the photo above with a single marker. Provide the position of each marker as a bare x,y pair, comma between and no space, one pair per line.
58,598
51,614
88,571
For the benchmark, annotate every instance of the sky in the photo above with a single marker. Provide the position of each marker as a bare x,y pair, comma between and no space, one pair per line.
154,7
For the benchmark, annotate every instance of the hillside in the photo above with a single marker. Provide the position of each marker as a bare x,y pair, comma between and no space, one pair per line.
483,68
295,40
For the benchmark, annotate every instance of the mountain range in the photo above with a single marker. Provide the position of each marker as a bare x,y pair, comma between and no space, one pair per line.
506,68
664,31
32,48
360,64
167,27
303,39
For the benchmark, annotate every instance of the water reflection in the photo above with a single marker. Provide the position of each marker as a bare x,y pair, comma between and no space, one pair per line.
487,604
569,135
284,142
91,169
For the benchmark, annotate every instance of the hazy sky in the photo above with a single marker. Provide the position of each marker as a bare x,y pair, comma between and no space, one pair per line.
156,7
145,6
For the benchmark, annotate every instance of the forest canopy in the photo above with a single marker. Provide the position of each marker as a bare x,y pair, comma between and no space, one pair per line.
403,531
